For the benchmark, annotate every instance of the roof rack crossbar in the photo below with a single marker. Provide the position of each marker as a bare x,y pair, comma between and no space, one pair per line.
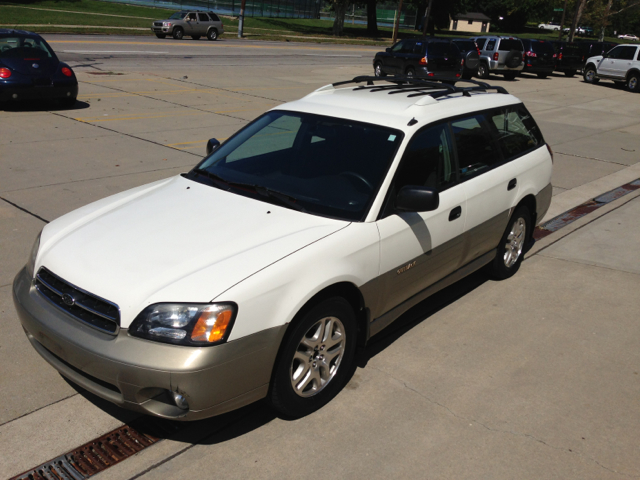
419,86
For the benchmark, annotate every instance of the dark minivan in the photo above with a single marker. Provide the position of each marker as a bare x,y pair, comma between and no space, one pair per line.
470,54
426,58
539,57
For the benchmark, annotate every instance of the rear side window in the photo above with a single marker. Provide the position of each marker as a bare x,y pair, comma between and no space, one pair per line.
491,45
516,131
474,142
214,17
203,17
508,44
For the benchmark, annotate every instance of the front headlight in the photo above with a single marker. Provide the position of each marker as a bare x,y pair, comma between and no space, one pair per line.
185,323
166,24
31,261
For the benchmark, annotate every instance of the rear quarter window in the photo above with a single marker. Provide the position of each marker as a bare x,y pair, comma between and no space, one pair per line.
517,133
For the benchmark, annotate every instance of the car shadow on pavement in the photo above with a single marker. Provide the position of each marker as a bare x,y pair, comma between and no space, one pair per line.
40,106
419,314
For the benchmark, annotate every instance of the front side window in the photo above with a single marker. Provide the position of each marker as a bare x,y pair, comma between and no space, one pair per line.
397,48
615,53
191,16
477,152
323,165
428,160
517,132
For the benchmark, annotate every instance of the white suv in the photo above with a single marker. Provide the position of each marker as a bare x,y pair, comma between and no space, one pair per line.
259,272
620,64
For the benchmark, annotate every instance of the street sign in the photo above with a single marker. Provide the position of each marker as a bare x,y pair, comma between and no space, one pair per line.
557,9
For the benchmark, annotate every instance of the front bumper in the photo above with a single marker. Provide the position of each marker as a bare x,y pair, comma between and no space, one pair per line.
141,375
18,92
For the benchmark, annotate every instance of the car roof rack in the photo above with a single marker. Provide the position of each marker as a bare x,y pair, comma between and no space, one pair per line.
418,86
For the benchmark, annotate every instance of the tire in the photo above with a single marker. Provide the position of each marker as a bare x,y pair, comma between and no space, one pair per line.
377,70
410,72
304,378
633,82
212,34
513,59
512,244
195,37
570,73
590,75
543,75
178,33
509,75
483,71
161,35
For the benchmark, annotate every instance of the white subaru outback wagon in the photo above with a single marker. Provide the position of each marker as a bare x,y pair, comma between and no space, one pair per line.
259,272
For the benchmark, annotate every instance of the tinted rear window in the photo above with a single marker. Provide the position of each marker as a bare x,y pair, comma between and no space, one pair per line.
542,47
506,45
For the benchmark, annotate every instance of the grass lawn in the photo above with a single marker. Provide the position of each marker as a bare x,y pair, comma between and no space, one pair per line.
49,16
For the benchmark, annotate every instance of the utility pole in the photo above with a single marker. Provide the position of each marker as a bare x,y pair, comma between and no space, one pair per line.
425,22
241,19
396,24
564,9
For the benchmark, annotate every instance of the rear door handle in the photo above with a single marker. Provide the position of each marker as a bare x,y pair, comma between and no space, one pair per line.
455,213
512,184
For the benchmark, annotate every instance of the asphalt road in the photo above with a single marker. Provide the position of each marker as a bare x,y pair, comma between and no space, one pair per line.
535,377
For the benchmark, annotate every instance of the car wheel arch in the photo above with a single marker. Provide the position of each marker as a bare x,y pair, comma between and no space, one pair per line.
528,201
632,72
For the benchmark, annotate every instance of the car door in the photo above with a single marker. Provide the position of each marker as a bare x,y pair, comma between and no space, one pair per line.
204,22
191,24
393,63
418,249
608,64
621,65
502,156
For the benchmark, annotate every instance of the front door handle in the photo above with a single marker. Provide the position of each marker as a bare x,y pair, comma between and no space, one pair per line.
455,213
512,184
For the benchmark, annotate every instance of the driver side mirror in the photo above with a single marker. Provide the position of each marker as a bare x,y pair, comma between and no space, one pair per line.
212,144
412,198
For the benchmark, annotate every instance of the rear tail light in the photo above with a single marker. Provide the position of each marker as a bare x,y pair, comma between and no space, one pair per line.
424,61
462,61
5,73
531,54
430,74
496,56
560,56
550,152
457,75
66,71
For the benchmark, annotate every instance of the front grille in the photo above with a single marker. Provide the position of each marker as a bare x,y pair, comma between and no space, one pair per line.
157,24
84,306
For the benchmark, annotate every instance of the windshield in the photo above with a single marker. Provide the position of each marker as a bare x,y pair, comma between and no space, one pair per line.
178,16
322,165
18,46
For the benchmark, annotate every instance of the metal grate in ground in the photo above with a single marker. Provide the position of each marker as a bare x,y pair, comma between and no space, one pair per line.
580,211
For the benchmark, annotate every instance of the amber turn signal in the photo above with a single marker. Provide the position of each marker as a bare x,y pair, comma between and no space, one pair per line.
211,326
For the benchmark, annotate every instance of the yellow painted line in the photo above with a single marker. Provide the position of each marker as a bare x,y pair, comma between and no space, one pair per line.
203,45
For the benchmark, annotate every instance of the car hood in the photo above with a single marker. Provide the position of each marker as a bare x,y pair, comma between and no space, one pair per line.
173,241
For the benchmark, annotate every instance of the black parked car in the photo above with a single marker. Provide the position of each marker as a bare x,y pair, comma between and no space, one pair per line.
426,58
29,70
572,55
539,56
471,56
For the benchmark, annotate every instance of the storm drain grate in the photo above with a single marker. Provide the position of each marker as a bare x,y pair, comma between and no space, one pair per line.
580,211
103,452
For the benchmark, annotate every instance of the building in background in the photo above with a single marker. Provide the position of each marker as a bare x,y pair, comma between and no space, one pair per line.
470,22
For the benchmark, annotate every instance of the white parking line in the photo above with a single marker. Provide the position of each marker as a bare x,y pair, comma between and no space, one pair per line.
112,51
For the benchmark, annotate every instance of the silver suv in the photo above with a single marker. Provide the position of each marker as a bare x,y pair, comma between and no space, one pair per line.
620,64
192,23
502,55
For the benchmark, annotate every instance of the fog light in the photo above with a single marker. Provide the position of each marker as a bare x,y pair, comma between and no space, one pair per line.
68,94
15,95
181,401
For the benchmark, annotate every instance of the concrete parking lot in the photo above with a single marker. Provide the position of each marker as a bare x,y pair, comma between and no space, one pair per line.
534,377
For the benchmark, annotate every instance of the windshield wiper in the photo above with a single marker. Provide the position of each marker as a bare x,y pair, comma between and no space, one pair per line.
286,200
219,181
